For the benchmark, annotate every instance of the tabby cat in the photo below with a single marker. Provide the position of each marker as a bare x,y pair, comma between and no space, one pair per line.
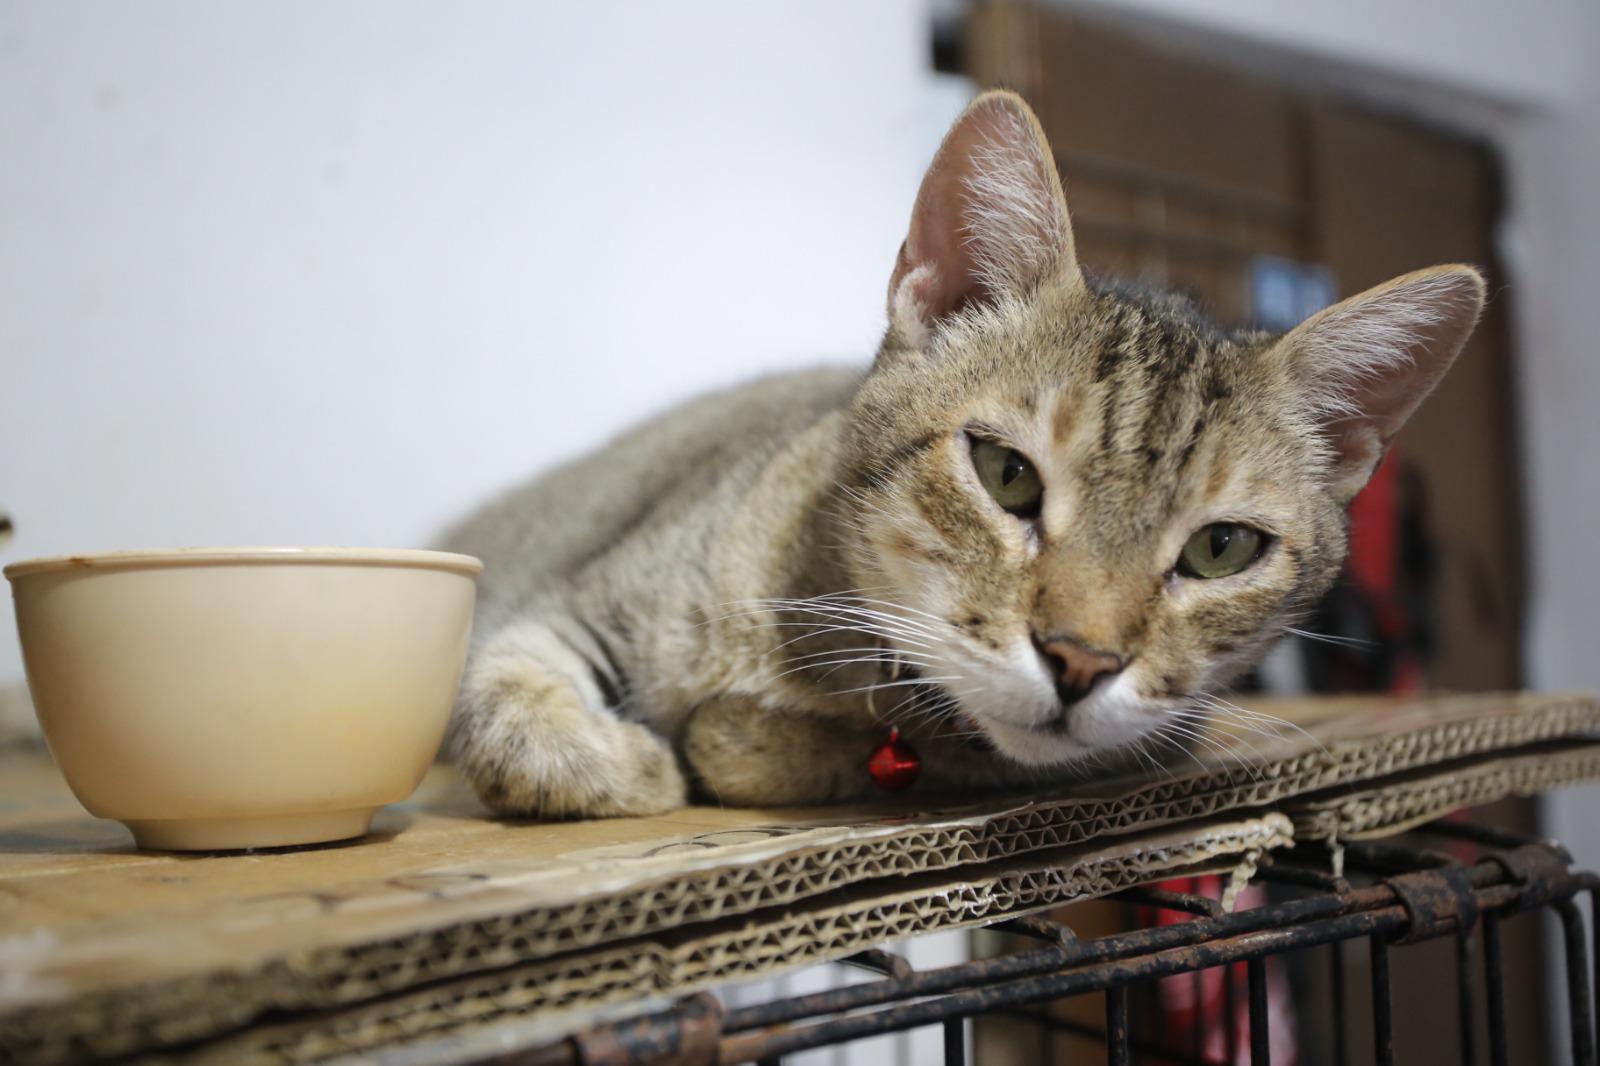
1052,516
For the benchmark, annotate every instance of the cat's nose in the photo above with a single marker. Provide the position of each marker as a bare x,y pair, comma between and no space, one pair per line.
1077,666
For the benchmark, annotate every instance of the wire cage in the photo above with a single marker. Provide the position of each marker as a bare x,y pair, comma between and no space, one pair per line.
1444,880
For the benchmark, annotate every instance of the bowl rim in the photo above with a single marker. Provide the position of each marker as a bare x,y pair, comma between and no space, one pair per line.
155,558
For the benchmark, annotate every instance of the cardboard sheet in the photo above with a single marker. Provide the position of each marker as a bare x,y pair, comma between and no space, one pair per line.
564,993
105,950
1401,803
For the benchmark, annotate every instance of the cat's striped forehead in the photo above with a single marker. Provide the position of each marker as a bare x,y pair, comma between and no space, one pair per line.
1147,384
1134,405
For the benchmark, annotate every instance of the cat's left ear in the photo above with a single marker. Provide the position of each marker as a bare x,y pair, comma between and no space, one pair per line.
1367,363
990,220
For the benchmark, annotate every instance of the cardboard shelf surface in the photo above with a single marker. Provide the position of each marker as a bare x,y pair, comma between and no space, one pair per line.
105,950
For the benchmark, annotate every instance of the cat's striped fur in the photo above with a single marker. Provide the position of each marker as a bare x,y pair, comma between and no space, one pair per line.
739,597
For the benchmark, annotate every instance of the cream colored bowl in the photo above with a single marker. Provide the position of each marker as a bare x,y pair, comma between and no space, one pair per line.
237,698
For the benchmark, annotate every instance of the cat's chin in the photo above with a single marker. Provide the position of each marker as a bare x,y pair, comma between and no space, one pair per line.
1034,746
1112,717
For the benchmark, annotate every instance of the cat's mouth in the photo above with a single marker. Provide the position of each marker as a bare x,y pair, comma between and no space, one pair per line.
1061,733
1111,716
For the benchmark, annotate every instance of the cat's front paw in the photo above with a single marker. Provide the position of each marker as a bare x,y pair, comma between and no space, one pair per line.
743,755
530,747
539,779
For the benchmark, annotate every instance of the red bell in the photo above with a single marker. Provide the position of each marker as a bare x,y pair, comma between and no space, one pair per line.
895,765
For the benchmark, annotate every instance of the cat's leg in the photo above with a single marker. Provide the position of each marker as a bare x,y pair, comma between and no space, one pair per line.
744,755
534,737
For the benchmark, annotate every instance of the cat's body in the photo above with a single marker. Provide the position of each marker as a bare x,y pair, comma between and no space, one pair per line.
645,560
1051,517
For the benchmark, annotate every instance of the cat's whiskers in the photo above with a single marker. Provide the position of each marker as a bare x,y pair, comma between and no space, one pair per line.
861,500
1197,719
746,607
1260,718
857,607
1350,643
886,654
1170,743
1221,754
844,613
1220,724
1211,731
814,629
899,639
1137,747
1222,718
829,667
831,612
904,683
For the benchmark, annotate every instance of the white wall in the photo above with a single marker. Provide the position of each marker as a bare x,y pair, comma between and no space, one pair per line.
1529,51
329,273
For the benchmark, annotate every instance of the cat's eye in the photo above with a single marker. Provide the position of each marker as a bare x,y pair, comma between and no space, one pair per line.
1221,549
1008,476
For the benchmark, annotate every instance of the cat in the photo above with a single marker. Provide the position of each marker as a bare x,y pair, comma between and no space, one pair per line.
1051,517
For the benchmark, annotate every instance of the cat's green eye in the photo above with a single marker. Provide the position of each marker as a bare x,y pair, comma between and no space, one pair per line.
1008,476
1220,550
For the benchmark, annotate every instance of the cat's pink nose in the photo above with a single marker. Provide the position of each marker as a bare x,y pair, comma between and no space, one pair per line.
1078,666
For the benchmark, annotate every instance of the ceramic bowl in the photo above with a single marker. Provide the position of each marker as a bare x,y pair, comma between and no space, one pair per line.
239,698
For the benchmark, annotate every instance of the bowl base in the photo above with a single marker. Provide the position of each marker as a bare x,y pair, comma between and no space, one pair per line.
232,834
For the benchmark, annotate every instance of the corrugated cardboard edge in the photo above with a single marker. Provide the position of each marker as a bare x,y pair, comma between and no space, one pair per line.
165,1013
454,1018
946,840
1397,806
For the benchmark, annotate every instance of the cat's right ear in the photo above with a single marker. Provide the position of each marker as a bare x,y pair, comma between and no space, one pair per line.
990,220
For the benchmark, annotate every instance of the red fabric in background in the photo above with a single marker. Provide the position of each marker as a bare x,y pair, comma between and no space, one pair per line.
1374,562
1188,1000
1373,566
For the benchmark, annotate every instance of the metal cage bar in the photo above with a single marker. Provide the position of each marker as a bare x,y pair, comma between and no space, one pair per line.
1388,894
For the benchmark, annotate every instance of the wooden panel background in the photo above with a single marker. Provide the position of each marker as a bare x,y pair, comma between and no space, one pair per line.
1179,171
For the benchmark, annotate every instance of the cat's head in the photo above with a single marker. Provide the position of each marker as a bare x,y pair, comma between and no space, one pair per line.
1090,504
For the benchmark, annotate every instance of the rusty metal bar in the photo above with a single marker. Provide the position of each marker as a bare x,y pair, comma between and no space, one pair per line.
1035,928
1146,1049
878,961
1108,949
1382,1023
1494,976
1594,933
1579,1005
1464,1012
1117,1053
1435,897
740,1047
955,1042
1229,1017
1341,1028
1260,1035
1186,902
